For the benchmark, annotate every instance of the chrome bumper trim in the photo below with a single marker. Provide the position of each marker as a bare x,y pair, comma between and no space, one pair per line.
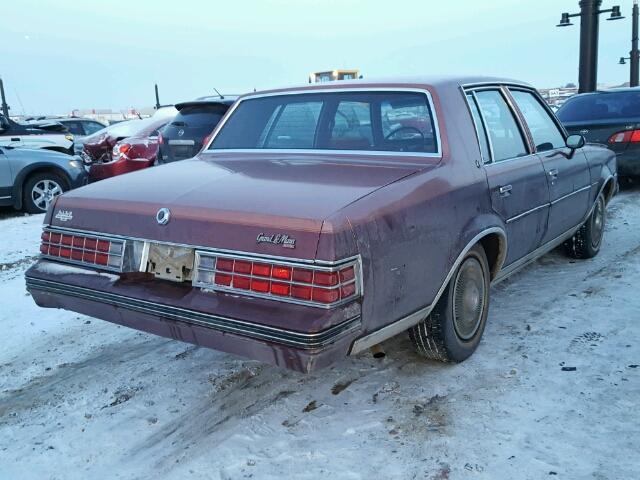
215,322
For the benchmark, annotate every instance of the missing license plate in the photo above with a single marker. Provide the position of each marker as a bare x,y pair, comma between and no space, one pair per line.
169,262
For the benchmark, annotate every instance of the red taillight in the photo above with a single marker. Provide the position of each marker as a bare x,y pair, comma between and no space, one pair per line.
124,148
311,285
628,136
282,273
83,249
205,140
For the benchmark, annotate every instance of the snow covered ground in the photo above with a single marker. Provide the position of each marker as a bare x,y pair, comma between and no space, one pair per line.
81,398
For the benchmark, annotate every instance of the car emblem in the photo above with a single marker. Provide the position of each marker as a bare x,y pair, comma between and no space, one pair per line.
64,215
277,239
180,132
584,132
163,216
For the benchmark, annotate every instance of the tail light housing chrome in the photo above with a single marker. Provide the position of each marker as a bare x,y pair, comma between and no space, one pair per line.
307,284
82,249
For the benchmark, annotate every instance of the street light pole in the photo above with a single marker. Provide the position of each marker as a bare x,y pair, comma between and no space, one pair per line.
589,26
5,107
634,54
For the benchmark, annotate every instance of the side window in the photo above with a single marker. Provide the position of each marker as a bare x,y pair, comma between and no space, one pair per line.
544,130
74,127
91,127
294,126
480,130
351,129
505,135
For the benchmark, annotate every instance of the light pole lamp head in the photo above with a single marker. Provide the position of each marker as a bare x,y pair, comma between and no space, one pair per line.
564,21
615,13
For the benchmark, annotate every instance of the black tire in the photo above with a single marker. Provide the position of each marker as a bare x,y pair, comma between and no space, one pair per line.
587,241
30,200
449,334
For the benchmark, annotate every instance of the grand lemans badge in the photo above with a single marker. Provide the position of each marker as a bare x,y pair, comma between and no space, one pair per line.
64,215
277,239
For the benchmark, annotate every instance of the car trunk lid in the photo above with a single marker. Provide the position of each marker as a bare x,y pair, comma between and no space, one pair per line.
228,202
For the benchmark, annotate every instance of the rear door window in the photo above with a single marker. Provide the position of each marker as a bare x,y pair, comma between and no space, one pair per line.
505,135
546,134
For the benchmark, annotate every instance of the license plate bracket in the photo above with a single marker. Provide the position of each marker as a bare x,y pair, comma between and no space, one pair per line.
170,262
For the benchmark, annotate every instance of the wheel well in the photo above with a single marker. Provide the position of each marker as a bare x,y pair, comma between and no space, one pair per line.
20,185
495,247
609,190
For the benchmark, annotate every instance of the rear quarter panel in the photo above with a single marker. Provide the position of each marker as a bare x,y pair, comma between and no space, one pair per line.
410,233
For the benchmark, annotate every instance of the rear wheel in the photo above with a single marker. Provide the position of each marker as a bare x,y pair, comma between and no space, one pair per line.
588,239
40,190
453,329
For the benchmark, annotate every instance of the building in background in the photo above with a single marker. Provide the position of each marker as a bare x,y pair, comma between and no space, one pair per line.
331,75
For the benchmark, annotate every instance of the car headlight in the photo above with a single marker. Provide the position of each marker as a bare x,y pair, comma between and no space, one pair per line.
69,137
75,163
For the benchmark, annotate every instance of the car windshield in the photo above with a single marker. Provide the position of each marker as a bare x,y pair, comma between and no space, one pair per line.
601,107
370,121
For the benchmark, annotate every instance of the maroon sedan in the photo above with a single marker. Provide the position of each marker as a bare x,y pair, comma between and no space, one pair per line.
321,220
123,148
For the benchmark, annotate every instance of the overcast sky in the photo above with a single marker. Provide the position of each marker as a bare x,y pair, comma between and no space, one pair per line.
59,55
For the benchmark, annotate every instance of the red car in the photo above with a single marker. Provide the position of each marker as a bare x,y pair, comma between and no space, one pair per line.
321,220
124,148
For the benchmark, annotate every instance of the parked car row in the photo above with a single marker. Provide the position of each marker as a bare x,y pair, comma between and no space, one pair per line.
319,221
611,118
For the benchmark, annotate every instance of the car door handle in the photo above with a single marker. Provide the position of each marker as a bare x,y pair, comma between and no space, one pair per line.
553,173
15,139
505,190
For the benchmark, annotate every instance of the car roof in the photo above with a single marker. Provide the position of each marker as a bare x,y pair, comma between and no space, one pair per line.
609,91
435,81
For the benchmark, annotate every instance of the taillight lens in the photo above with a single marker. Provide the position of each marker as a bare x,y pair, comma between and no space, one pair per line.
83,249
628,136
205,140
119,150
312,285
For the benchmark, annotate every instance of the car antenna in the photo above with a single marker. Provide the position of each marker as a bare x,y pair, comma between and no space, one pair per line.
219,94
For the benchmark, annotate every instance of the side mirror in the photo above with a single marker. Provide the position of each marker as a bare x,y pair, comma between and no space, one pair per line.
575,141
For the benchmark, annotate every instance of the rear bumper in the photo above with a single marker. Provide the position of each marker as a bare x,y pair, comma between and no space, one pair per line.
628,163
293,349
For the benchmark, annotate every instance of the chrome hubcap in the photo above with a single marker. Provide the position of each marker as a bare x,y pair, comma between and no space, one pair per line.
469,294
597,223
44,192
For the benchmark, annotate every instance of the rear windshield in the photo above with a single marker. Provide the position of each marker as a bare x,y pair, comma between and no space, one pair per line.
199,116
601,106
371,121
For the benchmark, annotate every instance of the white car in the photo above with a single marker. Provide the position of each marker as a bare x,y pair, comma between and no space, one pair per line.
46,136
